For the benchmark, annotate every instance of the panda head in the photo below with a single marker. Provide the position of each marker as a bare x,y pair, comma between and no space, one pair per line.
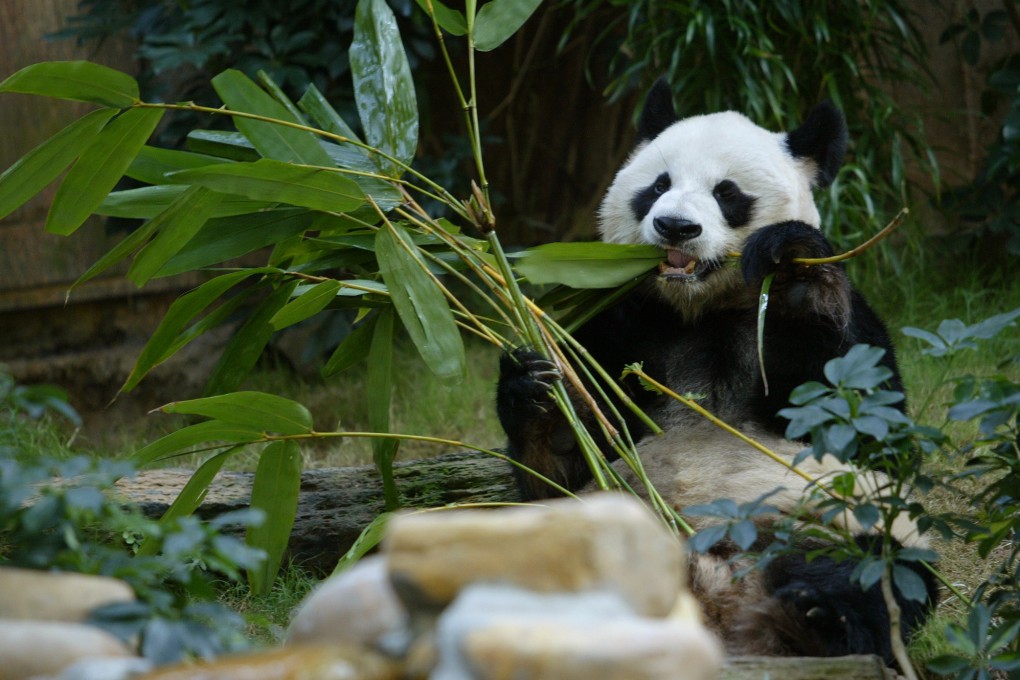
698,187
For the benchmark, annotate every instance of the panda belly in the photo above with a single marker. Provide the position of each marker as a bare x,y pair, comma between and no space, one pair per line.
792,607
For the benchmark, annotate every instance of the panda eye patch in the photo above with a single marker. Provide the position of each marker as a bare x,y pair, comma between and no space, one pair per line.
726,189
662,184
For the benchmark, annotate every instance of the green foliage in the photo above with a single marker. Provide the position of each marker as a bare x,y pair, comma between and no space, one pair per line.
60,515
33,401
992,200
773,62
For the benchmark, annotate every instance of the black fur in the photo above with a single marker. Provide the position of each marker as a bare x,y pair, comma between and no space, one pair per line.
646,198
823,138
658,113
736,206
820,611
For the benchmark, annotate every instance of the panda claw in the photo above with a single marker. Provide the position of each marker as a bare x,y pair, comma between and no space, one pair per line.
815,613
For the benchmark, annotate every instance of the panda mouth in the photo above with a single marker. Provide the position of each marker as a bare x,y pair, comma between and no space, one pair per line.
681,266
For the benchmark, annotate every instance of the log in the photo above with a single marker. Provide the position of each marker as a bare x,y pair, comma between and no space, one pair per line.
859,667
336,504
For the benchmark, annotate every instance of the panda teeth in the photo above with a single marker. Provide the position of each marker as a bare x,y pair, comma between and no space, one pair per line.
678,264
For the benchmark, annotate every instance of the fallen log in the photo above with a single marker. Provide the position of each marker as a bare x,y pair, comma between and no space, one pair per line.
336,504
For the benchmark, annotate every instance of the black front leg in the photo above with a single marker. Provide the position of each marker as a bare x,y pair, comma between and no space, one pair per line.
539,436
798,290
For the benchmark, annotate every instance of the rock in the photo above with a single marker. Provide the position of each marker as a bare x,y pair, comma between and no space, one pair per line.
56,596
40,648
494,632
606,541
104,668
357,606
297,662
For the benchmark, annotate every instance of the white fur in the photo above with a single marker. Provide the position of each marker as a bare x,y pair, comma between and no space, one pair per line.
699,152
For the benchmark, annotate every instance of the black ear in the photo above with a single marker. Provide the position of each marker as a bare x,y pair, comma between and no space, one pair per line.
822,137
658,112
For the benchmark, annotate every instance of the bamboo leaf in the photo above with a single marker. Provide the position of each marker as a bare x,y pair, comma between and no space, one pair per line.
191,496
174,226
32,172
763,305
353,349
164,342
587,265
383,87
275,492
497,20
450,20
80,81
152,164
246,346
99,167
186,438
259,410
422,308
378,390
309,303
325,116
147,202
271,180
225,238
222,144
125,247
272,140
370,537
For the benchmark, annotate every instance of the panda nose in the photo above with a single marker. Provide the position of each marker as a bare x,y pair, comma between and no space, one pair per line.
675,229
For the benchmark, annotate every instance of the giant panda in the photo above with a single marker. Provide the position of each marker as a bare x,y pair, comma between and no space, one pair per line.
702,188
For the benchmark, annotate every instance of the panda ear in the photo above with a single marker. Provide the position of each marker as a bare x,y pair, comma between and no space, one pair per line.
658,112
822,137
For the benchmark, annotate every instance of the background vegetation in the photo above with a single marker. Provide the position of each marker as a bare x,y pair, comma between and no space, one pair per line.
772,63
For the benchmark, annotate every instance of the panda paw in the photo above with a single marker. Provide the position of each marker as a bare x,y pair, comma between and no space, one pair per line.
772,249
526,379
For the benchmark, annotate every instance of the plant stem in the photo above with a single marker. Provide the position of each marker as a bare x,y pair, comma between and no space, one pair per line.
896,637
854,252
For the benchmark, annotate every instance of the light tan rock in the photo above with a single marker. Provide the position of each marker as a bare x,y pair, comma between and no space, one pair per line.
357,606
504,633
602,542
297,662
40,648
56,596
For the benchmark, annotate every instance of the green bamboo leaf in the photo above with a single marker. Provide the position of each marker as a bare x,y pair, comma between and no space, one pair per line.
422,308
125,247
147,202
271,180
370,537
174,226
40,166
763,305
450,20
191,496
152,164
309,303
247,344
325,116
383,87
587,265
184,439
272,140
265,412
226,238
497,20
232,146
353,349
80,81
99,168
378,391
275,491
164,341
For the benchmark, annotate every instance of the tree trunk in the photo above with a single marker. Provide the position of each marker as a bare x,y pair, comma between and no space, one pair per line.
336,504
